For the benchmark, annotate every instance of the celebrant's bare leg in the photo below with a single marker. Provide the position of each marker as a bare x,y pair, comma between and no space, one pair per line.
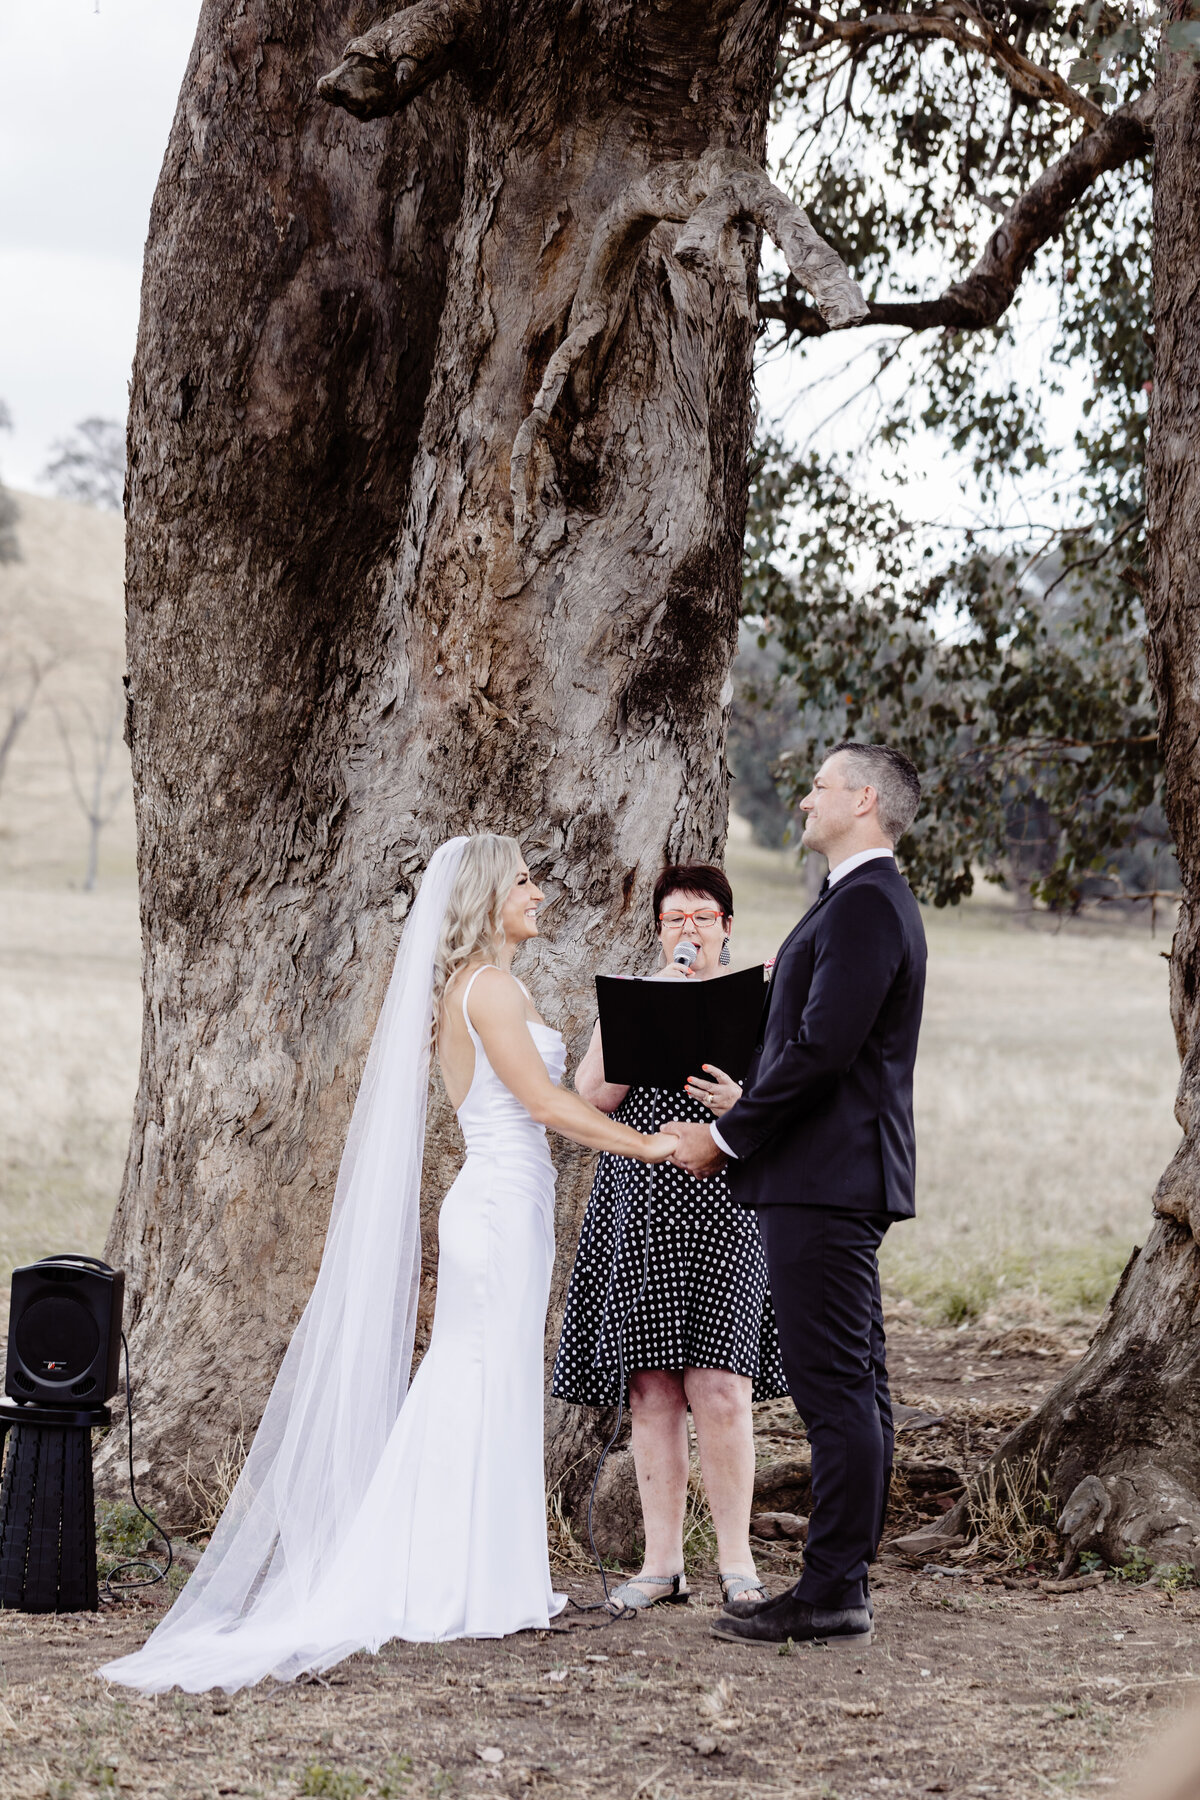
658,1418
720,1402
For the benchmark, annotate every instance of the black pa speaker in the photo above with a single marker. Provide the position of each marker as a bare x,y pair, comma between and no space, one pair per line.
64,1332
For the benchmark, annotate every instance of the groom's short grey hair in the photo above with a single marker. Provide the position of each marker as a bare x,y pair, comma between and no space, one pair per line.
894,778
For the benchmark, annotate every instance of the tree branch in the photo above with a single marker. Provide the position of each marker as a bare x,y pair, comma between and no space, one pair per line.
961,25
709,240
711,198
397,59
983,296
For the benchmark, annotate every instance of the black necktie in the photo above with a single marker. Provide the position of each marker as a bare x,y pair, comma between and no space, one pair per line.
824,889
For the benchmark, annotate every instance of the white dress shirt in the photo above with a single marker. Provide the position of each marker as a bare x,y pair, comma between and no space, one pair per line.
835,875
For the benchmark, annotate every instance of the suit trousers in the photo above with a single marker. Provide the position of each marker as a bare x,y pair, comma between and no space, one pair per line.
824,1276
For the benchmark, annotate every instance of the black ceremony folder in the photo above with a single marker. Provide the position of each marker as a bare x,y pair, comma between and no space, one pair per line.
657,1033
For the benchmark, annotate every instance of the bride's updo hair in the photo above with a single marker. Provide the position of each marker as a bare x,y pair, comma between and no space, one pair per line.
489,867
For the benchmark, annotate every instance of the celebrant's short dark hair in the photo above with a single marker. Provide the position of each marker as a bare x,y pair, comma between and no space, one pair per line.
694,878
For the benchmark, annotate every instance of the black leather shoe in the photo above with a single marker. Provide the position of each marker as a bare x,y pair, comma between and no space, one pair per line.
789,1620
747,1609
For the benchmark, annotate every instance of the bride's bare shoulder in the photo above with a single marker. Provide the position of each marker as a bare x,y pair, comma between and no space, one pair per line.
496,991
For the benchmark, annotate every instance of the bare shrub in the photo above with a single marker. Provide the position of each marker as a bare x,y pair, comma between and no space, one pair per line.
209,1494
1010,1514
567,1554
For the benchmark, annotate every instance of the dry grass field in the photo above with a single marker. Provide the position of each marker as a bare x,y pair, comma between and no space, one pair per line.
69,1007
61,606
983,1691
1044,1097
1047,1068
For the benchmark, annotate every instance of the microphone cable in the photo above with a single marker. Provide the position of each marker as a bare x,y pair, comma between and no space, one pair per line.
684,957
606,1605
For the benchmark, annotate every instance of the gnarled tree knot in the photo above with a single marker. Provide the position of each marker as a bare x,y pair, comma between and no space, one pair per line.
397,59
717,199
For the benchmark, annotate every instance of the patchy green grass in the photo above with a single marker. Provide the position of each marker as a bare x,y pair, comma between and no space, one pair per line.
122,1535
333,1784
1069,1280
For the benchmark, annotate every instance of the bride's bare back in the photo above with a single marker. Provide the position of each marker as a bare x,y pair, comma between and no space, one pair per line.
456,1052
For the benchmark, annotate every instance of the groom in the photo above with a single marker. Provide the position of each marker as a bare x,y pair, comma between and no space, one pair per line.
821,1146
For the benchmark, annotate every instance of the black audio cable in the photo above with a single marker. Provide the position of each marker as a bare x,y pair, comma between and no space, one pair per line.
137,1562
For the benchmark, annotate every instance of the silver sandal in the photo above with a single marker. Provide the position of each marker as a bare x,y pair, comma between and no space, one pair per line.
632,1594
741,1587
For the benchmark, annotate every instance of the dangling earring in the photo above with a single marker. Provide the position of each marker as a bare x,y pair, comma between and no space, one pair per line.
724,959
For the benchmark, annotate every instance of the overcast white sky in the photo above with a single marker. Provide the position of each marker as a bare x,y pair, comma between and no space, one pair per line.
88,98
77,174
78,164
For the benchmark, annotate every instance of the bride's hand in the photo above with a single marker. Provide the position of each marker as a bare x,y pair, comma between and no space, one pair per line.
658,1147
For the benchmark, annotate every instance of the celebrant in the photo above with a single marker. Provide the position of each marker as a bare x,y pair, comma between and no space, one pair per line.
702,1334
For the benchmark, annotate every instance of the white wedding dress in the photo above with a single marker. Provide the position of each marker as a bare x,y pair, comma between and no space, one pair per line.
446,1535
460,1496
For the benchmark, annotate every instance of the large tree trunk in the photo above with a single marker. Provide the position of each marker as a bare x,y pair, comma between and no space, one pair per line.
437,482
1119,1439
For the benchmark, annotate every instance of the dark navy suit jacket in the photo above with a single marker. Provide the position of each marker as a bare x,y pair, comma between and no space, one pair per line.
826,1116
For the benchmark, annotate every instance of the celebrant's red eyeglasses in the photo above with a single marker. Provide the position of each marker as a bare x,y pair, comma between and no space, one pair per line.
703,921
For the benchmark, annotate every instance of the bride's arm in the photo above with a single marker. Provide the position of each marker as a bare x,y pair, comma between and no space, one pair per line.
497,1008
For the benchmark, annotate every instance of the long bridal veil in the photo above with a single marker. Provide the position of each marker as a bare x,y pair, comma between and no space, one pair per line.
253,1606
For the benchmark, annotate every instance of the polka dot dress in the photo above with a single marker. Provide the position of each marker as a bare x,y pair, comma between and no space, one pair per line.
706,1304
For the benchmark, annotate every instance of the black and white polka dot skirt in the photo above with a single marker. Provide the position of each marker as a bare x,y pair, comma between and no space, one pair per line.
706,1304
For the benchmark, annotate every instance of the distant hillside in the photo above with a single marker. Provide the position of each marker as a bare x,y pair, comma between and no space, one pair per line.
62,605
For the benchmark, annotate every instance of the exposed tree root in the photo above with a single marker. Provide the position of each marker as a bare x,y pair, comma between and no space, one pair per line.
1117,1442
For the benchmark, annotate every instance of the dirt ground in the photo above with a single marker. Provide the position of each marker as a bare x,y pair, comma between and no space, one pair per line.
979,1682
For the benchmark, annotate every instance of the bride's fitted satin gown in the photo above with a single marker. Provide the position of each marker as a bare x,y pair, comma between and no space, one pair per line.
452,1535
466,1497
450,1540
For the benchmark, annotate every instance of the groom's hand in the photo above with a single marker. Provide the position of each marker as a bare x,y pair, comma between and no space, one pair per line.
696,1151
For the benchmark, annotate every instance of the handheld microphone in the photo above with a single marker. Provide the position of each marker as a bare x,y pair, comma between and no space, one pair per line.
685,954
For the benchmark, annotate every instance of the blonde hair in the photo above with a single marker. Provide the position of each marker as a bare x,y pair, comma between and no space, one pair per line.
489,867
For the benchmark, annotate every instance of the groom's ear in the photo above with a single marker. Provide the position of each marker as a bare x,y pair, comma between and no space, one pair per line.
868,799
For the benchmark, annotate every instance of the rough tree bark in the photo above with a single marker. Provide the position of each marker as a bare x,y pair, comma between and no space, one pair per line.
436,494
1119,1439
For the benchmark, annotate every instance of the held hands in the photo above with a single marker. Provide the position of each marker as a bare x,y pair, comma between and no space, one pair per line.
719,1094
696,1153
671,972
658,1146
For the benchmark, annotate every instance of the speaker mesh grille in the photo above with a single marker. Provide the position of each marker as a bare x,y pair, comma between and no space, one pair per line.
56,1337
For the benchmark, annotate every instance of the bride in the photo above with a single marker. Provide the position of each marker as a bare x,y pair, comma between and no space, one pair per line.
364,1513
